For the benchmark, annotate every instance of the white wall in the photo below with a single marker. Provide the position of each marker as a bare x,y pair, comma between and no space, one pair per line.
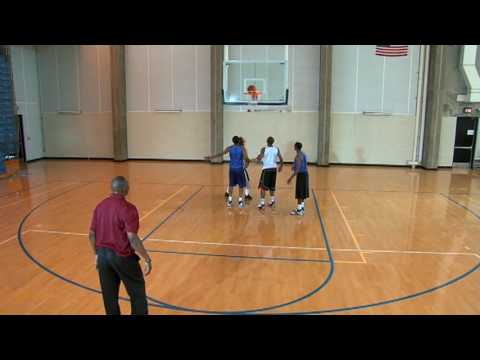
25,77
287,128
168,77
177,77
76,78
364,82
359,139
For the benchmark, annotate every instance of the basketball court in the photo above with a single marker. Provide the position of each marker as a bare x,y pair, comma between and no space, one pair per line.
384,231
382,244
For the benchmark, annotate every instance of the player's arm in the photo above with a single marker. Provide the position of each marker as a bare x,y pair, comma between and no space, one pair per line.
137,245
245,156
262,153
132,224
225,152
92,237
281,161
296,168
93,240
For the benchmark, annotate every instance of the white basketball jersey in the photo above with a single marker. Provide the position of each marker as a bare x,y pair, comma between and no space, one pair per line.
270,157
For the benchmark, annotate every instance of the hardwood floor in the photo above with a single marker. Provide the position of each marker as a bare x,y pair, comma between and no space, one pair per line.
398,241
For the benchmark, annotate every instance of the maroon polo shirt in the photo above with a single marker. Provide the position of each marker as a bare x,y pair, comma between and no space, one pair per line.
111,221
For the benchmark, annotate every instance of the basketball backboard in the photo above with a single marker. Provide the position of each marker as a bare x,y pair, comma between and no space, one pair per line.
255,67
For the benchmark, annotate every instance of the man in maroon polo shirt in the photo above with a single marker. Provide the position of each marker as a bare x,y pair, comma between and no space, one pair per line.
114,240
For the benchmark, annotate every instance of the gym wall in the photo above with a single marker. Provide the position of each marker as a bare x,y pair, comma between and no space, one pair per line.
76,104
25,79
363,82
298,122
455,84
162,79
177,77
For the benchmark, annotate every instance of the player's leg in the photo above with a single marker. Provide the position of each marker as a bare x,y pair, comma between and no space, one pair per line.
231,184
301,193
305,190
248,197
272,199
272,184
109,282
241,191
261,204
130,272
261,186
242,182
299,210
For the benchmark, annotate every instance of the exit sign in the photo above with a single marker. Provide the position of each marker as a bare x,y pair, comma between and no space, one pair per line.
467,110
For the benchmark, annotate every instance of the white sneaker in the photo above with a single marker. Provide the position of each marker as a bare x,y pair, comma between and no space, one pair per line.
229,203
241,204
261,206
297,212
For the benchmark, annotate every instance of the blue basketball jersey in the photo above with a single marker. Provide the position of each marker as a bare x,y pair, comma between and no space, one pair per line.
236,157
303,163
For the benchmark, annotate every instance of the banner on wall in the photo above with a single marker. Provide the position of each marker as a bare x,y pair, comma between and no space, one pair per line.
391,50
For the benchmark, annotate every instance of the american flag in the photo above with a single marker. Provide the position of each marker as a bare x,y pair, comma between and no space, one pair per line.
391,50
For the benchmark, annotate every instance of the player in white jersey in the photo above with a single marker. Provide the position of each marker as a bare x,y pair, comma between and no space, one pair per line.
268,156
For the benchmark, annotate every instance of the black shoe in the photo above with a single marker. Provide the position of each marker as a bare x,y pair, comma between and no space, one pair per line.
271,204
248,197
227,195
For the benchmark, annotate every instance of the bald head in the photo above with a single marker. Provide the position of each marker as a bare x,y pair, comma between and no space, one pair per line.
120,185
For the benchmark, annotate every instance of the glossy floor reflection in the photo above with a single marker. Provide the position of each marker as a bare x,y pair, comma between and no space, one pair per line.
399,241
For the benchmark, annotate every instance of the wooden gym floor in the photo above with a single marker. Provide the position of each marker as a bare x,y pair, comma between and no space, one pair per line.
383,240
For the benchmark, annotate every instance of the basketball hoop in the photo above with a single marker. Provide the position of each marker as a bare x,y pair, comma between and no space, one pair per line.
254,94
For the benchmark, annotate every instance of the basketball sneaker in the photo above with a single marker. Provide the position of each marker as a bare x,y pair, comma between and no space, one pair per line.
241,204
248,197
271,203
229,204
261,206
227,194
297,212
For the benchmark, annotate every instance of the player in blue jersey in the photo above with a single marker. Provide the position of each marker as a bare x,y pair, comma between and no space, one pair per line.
248,197
239,161
300,170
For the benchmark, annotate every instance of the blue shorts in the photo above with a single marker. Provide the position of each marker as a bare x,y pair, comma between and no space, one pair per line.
237,177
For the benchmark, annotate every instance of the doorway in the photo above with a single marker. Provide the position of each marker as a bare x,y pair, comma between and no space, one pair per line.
465,142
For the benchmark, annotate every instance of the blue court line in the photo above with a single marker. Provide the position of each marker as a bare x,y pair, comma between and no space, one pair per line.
172,213
155,302
43,267
239,256
461,205
391,301
273,307
159,304
402,298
